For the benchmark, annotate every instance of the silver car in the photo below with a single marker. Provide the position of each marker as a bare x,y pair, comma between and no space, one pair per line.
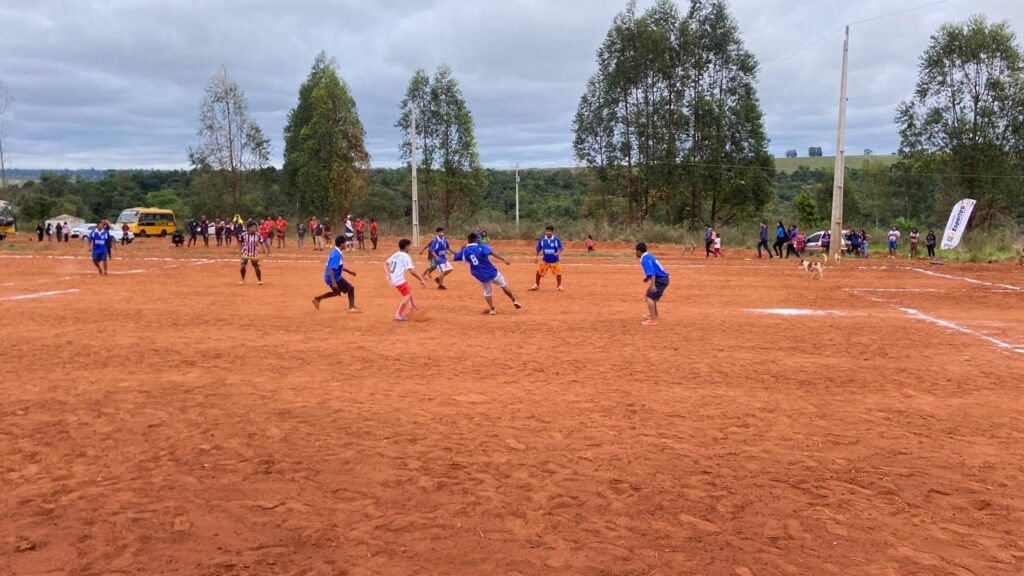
812,245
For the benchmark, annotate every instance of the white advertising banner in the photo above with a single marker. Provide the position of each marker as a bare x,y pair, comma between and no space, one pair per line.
957,222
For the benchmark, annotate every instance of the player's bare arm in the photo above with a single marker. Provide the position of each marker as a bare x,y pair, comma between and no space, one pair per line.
349,271
418,277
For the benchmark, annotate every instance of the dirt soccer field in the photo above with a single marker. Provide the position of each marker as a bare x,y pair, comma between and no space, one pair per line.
165,420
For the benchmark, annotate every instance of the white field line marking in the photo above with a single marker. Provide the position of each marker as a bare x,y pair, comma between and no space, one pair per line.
39,295
795,312
966,279
954,326
893,290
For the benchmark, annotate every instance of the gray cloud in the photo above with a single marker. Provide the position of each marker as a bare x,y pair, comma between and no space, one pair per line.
116,83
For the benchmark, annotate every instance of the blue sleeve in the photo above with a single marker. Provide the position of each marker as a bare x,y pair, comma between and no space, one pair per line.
648,265
560,246
538,248
458,256
486,250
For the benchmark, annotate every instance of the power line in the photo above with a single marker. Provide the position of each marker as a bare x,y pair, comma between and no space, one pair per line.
899,12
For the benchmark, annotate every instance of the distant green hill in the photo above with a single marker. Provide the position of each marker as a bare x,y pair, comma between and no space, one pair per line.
787,165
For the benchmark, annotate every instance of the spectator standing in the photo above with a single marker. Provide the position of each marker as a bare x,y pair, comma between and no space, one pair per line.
316,231
894,241
40,231
300,231
929,242
125,233
915,238
373,232
826,242
282,228
864,238
709,239
361,233
49,232
780,238
67,232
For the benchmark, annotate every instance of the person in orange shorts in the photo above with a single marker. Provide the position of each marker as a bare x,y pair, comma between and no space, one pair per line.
549,247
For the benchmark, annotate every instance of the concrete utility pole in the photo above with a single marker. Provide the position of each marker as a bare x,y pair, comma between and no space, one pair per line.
517,198
415,192
836,245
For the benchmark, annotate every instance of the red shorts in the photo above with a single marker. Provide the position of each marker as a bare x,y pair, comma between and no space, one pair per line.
404,289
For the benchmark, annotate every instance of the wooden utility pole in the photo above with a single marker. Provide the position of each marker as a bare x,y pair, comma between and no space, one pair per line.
517,198
415,193
836,245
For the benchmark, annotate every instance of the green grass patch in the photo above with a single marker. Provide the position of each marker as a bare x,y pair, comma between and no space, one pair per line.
789,165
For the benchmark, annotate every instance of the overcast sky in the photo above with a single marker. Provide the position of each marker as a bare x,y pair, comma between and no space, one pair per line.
117,83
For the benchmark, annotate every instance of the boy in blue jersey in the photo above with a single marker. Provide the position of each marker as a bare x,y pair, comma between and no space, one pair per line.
548,249
658,279
478,258
332,277
99,239
439,250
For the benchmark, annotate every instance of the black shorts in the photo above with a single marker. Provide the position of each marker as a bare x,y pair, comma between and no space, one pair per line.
342,286
658,289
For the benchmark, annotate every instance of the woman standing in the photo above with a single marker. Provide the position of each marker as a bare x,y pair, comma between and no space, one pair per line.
915,238
929,242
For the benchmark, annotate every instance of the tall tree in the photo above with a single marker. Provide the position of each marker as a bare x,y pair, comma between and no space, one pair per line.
456,178
964,120
673,109
231,144
326,162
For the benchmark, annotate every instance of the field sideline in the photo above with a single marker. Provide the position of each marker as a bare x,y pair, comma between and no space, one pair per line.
166,420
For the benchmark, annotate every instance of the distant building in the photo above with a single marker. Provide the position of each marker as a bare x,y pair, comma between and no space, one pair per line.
790,153
814,151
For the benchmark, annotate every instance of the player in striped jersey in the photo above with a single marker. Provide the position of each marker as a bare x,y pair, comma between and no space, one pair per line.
252,245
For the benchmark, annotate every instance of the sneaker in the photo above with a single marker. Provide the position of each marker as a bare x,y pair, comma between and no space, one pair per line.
316,303
534,287
259,282
400,318
649,322
561,288
517,304
493,312
354,311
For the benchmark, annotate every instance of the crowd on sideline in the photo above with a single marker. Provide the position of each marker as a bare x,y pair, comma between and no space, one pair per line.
792,241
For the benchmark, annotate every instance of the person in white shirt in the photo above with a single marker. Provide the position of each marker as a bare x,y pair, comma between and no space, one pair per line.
396,266
894,238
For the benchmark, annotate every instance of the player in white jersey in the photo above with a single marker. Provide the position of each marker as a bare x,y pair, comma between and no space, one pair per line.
396,266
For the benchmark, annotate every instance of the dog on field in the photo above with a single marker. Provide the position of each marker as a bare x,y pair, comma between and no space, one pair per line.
838,257
815,269
689,248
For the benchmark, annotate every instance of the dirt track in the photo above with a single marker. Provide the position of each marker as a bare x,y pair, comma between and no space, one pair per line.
164,420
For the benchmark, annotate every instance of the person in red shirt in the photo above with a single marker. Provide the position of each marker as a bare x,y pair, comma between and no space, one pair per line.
373,232
265,230
326,225
313,223
282,227
361,233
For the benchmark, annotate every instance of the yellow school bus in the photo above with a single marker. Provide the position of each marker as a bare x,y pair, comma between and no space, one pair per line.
6,218
148,221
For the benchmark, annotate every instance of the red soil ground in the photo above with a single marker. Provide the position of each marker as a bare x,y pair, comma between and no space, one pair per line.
165,420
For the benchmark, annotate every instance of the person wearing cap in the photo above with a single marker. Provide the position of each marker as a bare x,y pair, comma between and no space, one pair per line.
657,278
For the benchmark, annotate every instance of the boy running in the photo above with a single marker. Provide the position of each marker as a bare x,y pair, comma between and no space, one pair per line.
332,277
252,244
396,266
99,238
550,246
439,250
658,279
478,257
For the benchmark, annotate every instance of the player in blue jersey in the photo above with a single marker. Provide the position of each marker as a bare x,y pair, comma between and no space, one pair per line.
99,238
656,276
438,249
332,277
478,256
548,249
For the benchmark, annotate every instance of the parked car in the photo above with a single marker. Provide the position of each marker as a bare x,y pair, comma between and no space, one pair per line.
812,245
115,232
82,231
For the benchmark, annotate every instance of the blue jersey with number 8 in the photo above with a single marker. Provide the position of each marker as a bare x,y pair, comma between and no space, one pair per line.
478,257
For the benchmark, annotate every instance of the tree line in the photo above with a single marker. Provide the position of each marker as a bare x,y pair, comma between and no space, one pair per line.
668,130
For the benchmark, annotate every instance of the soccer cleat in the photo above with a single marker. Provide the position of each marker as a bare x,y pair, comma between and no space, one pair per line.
534,287
649,322
517,304
316,303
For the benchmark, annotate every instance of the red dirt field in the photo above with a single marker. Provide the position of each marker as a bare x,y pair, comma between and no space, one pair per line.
165,420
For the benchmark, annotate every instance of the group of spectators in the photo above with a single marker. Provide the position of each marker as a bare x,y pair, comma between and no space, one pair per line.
355,233
855,242
62,231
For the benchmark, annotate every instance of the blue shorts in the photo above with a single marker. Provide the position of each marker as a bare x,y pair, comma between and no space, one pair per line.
892,244
99,256
657,290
